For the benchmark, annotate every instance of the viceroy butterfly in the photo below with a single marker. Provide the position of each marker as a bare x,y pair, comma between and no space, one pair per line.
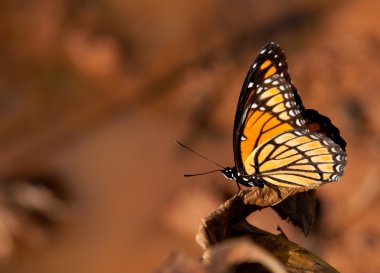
276,141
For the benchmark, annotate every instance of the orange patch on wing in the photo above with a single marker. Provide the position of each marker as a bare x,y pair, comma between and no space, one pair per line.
284,116
269,165
302,167
275,100
286,154
279,108
270,72
322,158
264,153
327,168
252,131
326,176
319,151
281,128
297,141
272,123
281,184
252,118
301,181
269,93
265,64
311,146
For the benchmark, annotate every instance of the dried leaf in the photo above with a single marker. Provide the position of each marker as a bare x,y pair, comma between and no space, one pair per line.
269,196
299,209
228,221
239,207
293,256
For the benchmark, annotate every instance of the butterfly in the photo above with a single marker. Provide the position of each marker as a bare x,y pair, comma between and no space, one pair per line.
276,141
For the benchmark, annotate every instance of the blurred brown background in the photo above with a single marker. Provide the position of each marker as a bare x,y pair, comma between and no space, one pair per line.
95,92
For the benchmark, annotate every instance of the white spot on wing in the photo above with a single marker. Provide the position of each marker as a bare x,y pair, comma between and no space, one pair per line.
254,105
312,136
263,51
250,84
326,142
268,80
298,122
334,177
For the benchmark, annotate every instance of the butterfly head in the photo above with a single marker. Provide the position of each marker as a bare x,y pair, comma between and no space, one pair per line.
248,181
230,173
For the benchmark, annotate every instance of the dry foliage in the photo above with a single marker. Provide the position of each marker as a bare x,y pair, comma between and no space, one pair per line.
231,244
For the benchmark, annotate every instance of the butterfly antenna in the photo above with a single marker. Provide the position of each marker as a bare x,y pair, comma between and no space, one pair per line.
196,174
198,154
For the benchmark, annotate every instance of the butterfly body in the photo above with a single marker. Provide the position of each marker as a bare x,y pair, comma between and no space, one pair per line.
276,140
248,181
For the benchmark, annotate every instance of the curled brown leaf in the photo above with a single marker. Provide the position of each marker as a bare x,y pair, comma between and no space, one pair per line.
228,222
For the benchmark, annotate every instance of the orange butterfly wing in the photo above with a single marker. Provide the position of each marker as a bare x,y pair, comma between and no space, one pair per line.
267,106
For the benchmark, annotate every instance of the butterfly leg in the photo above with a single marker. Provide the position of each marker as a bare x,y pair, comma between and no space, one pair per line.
258,183
238,185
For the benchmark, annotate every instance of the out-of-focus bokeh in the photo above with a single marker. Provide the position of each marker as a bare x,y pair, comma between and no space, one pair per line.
93,94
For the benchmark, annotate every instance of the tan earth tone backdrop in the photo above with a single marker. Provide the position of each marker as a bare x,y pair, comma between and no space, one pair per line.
98,91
